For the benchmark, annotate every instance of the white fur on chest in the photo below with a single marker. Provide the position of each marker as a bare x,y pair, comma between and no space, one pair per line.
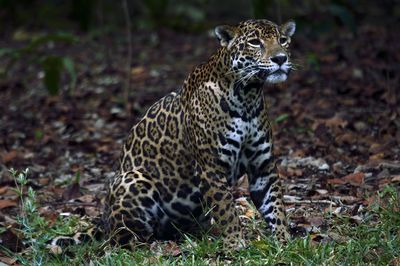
235,140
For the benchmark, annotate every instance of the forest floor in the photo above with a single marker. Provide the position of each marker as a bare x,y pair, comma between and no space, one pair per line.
336,133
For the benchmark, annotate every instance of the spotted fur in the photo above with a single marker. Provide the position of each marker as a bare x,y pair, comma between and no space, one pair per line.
181,159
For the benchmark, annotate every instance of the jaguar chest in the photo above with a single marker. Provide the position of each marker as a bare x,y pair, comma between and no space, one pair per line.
233,142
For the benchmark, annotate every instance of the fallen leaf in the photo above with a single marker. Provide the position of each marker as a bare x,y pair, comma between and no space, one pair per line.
242,184
396,178
383,182
377,156
163,248
8,260
370,200
294,172
50,215
87,198
137,70
346,199
250,214
336,181
345,138
356,179
242,201
56,250
319,237
72,192
395,261
3,190
322,191
92,211
5,203
316,221
172,249
335,121
9,156
44,181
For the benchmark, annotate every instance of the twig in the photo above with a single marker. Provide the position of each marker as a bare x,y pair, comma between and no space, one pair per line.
127,86
297,200
87,204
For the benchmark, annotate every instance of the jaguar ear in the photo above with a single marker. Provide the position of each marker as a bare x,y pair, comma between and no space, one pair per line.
225,34
288,28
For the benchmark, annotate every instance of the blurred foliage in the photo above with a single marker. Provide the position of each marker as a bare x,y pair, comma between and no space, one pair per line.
187,15
52,65
87,15
97,17
83,12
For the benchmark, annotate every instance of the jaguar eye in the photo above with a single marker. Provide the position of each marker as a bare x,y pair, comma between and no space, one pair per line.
255,42
283,40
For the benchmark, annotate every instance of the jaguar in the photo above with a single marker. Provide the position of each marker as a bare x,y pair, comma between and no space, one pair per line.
180,162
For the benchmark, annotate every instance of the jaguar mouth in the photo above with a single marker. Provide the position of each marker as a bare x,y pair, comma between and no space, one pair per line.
277,76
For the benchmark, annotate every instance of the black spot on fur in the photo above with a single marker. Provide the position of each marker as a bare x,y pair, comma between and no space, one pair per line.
179,207
218,196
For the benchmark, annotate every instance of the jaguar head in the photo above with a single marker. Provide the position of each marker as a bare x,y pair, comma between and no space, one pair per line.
257,50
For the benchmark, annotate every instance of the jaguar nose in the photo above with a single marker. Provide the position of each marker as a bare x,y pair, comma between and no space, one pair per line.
279,59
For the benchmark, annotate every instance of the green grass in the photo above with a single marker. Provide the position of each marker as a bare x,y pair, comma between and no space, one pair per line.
375,241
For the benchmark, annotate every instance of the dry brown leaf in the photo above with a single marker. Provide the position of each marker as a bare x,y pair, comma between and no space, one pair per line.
396,178
243,183
298,153
8,260
335,121
5,203
294,172
345,138
250,213
377,156
72,192
87,198
370,200
321,191
242,201
375,148
318,238
356,179
137,70
44,181
3,190
9,156
163,248
395,261
56,250
92,211
172,249
316,221
383,181
50,216
347,199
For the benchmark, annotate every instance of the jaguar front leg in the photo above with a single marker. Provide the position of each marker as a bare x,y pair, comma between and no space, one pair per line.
219,203
266,188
